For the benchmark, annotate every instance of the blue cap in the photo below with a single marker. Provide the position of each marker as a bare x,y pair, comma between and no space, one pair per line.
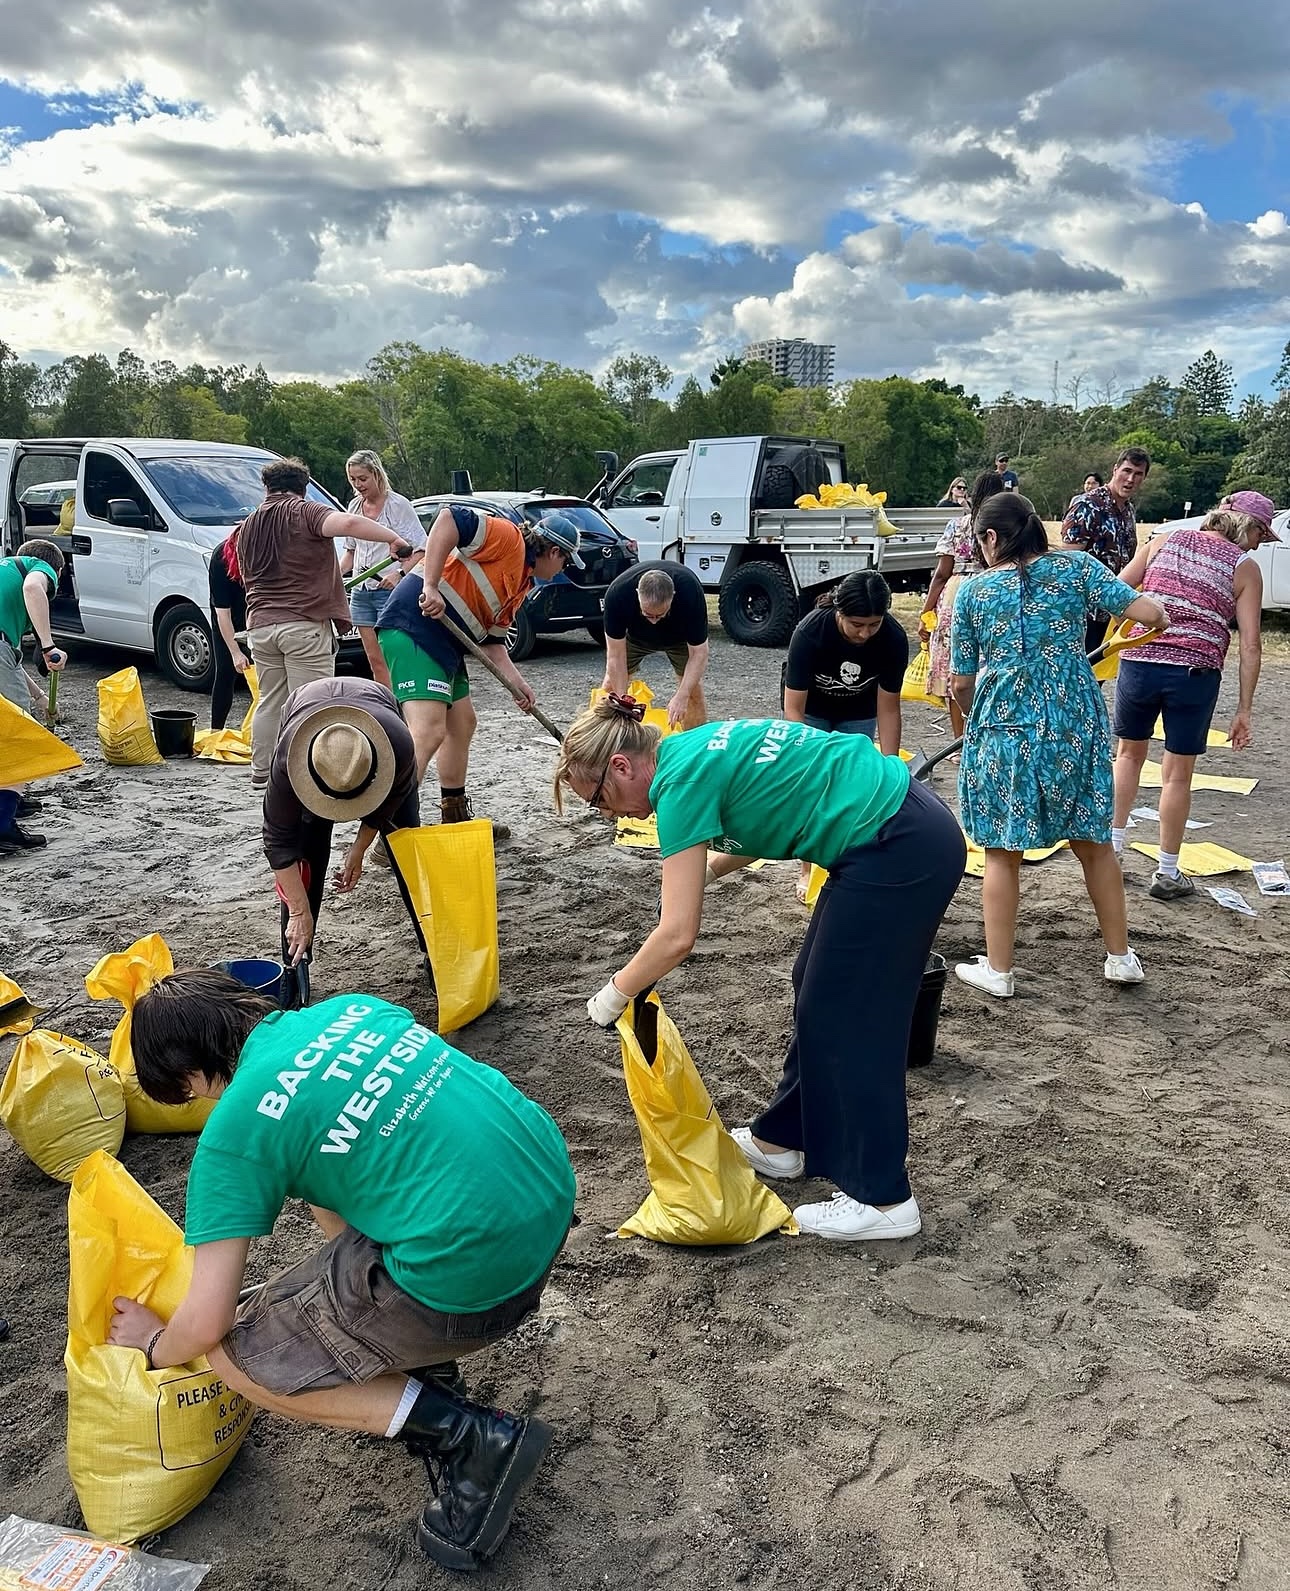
561,531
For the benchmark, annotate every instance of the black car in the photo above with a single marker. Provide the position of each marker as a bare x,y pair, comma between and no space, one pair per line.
574,600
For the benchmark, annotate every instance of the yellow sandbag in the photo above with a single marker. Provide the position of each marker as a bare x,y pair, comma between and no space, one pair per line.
914,686
143,1446
702,1189
30,751
843,495
639,691
16,1011
1108,667
231,745
637,833
1203,859
448,878
124,731
253,685
61,1101
1152,778
816,882
124,977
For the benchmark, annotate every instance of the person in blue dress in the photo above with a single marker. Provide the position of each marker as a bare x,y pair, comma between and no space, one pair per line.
1036,765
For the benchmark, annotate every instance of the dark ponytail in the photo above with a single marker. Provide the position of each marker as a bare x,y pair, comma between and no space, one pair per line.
987,484
863,595
1019,530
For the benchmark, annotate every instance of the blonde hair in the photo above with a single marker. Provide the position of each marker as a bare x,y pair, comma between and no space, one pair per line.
1233,526
366,459
597,735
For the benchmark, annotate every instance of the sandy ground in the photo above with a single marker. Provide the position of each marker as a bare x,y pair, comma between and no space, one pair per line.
1077,1375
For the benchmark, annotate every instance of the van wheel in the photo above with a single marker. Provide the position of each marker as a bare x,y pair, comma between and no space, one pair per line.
184,648
758,604
521,637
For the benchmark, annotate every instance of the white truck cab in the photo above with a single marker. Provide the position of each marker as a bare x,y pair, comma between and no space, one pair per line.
725,507
148,514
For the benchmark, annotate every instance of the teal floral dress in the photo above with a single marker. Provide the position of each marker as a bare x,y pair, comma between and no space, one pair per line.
1036,764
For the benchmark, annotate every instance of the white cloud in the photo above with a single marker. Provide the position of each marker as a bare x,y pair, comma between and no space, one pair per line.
312,182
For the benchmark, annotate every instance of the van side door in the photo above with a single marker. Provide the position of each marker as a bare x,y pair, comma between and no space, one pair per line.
112,548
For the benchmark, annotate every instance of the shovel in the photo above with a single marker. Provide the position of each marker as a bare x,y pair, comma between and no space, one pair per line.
920,765
477,652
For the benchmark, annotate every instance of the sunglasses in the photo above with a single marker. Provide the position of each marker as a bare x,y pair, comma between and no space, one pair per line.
593,801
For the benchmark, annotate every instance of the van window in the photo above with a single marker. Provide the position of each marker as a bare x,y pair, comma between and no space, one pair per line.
215,490
106,478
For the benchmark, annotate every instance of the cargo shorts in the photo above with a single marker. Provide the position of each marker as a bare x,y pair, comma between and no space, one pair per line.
638,651
338,1316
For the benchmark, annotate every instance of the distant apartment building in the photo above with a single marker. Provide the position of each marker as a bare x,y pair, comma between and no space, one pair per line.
804,364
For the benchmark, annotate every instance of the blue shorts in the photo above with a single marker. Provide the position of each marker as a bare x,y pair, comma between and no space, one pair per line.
845,726
1184,697
365,606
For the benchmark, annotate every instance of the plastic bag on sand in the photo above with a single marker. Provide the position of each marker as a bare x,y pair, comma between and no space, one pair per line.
61,1101
448,879
16,1011
30,751
914,687
230,745
143,1446
54,1559
124,977
702,1189
124,731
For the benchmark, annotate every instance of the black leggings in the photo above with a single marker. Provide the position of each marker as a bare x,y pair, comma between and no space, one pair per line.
857,979
225,680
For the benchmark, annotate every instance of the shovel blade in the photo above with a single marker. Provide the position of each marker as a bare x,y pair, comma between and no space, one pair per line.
917,765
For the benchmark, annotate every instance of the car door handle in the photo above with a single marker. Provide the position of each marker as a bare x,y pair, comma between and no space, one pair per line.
652,519
82,544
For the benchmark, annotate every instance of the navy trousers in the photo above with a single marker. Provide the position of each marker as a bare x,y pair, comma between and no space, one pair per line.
856,981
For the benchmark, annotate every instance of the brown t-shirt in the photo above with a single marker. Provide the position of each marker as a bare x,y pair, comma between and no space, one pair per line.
288,566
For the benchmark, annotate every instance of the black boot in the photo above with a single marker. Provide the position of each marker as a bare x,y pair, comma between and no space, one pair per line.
446,1375
28,806
15,839
478,1460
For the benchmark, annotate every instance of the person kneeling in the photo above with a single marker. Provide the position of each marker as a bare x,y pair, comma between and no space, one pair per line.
445,1196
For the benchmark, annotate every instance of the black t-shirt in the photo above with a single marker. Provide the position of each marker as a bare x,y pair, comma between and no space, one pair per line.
686,623
841,680
225,591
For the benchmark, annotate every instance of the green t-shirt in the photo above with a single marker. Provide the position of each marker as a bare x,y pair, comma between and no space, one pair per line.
351,1104
14,620
764,787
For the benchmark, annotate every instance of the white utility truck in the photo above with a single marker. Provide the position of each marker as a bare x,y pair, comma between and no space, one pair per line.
724,507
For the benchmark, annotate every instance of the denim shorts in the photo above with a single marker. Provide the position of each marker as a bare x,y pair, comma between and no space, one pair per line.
338,1316
1184,697
845,726
365,606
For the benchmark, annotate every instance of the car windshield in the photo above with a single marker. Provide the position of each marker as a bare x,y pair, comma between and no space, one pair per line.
220,489
583,516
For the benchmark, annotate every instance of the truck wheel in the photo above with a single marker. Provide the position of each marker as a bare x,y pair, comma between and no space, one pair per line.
758,604
597,633
184,648
521,637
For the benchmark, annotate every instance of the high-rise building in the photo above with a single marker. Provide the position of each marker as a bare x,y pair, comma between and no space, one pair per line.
804,364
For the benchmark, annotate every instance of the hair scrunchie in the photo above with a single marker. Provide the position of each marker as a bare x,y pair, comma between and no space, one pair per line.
626,706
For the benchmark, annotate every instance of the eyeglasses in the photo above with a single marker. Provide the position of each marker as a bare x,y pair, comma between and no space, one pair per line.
593,801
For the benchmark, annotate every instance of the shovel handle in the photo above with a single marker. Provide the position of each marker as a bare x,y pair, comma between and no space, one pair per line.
51,704
477,652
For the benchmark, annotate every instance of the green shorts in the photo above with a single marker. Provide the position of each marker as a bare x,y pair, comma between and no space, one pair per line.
415,676
637,652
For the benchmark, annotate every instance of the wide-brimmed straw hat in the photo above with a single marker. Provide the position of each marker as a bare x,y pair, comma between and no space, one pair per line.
340,762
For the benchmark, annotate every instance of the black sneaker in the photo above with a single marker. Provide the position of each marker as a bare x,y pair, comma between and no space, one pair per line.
1171,886
478,1461
15,839
28,806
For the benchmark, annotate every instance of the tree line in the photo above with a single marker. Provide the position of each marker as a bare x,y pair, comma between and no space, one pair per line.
531,423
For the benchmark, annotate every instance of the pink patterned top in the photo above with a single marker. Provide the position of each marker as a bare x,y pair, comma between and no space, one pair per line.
1192,576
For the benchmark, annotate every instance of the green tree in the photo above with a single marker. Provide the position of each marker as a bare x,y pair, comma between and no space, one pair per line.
1263,465
91,402
744,403
322,425
18,385
691,414
803,411
1210,382
1281,381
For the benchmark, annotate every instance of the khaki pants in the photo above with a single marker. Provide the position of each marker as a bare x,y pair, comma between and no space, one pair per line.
286,655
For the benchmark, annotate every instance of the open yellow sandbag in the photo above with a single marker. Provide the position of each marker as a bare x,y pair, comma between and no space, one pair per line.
914,686
124,731
61,1101
30,751
639,691
125,977
230,745
447,876
143,1446
702,1189
17,1013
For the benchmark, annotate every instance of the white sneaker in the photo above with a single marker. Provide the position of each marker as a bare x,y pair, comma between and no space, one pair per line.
981,975
782,1167
1123,969
846,1220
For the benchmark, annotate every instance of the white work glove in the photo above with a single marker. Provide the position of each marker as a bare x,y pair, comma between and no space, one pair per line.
608,1005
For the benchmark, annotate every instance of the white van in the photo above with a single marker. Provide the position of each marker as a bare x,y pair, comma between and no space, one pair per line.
149,513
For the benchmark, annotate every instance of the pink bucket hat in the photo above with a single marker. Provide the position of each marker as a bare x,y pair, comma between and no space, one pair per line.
1256,506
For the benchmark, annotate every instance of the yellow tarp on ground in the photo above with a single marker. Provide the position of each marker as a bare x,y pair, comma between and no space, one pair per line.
976,856
1151,780
1213,737
30,751
1203,860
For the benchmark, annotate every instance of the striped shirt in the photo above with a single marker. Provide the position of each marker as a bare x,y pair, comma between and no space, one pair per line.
1192,577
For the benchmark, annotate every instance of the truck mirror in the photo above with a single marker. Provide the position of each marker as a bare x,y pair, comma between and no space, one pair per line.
126,513
608,470
461,486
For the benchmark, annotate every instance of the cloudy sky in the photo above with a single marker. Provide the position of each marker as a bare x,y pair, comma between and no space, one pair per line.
974,191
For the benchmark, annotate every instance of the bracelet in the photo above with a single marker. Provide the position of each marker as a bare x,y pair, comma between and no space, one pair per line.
46,650
152,1343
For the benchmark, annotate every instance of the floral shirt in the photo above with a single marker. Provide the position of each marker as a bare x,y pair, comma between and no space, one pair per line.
958,542
1104,527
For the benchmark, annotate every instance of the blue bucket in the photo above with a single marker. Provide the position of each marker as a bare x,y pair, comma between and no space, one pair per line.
264,976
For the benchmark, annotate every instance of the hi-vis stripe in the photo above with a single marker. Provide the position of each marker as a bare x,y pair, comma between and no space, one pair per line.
462,612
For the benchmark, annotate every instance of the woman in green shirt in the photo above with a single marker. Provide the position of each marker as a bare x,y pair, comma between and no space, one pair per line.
728,793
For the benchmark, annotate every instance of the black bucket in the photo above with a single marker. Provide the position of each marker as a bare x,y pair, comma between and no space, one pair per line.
173,729
927,1014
